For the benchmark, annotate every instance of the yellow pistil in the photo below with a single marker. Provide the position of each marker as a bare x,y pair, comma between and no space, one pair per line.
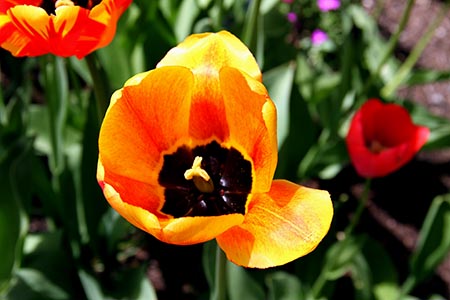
200,177
60,3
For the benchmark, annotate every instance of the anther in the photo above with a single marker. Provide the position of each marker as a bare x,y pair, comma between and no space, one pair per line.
200,177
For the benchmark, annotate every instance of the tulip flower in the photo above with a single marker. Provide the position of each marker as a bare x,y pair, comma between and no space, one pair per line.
382,138
188,152
63,27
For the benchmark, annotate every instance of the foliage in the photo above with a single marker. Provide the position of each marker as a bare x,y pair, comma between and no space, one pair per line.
60,239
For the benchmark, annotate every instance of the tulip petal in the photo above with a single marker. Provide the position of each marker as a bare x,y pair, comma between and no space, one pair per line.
391,126
69,30
251,117
280,226
145,121
209,52
180,231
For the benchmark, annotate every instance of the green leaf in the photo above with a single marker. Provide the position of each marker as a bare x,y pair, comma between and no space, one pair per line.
10,229
284,286
241,285
383,272
278,82
427,76
146,290
91,286
48,253
325,159
361,276
340,257
186,16
40,284
14,177
209,262
433,244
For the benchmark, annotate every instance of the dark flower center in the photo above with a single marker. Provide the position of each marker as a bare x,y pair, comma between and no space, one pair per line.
51,5
189,192
375,146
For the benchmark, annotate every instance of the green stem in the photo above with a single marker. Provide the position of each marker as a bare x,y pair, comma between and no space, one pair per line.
56,87
319,284
250,35
391,45
342,244
218,20
378,9
361,206
407,286
100,85
220,292
390,88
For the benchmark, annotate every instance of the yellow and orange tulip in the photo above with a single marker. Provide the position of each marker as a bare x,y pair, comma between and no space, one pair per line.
188,152
60,27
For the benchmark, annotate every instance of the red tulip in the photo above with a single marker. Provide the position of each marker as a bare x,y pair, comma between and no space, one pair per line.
382,138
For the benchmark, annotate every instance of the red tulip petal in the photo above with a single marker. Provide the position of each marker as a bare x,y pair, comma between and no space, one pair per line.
280,226
391,127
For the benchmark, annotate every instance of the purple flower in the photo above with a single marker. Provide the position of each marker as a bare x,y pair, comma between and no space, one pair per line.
287,1
326,5
292,17
318,37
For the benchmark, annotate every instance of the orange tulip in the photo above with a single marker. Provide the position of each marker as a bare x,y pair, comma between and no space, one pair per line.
61,27
188,152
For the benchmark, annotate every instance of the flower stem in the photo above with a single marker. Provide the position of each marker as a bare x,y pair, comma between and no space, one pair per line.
391,44
407,286
56,87
341,245
250,33
362,204
411,60
100,85
220,292
219,18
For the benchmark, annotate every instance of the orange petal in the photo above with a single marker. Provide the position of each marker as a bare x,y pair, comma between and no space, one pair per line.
180,231
32,27
207,119
280,226
143,122
71,30
207,53
251,117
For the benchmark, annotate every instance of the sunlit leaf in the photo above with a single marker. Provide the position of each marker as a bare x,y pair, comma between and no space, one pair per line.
279,83
91,286
241,285
433,245
186,16
284,286
383,271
